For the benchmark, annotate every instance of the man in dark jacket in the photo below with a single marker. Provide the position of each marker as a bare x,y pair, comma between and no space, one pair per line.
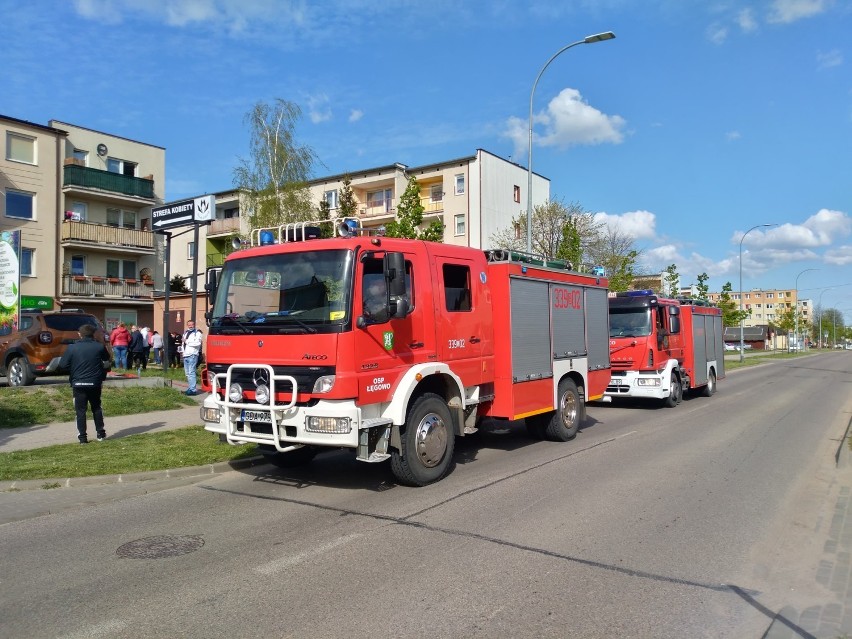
136,348
87,361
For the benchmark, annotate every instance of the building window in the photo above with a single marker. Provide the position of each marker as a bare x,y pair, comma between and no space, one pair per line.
81,209
770,295
331,198
123,219
459,219
114,165
27,262
517,194
460,184
82,157
380,199
190,250
232,213
20,204
121,268
78,265
436,192
20,148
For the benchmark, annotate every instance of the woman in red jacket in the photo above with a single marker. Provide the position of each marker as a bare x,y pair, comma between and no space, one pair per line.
120,338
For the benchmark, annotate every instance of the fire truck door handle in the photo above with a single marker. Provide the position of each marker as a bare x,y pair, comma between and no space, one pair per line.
415,345
474,339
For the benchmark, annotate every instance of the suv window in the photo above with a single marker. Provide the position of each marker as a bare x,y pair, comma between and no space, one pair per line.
59,322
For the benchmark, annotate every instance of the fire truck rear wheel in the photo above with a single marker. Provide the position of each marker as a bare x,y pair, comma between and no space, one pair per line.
710,388
565,421
292,459
675,392
428,442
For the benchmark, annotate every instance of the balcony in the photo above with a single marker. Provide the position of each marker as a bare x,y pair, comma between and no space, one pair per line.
215,259
84,179
106,287
431,205
101,237
228,226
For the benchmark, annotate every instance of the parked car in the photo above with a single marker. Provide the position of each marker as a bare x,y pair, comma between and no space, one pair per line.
34,350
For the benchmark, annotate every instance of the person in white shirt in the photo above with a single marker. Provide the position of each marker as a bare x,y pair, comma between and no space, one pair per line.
192,340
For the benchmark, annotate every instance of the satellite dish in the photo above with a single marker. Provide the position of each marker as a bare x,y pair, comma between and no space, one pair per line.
102,150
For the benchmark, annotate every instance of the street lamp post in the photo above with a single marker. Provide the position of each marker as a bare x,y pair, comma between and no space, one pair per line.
796,311
598,37
742,341
819,321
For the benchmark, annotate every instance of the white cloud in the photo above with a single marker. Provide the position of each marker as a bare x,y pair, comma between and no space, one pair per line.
745,19
319,108
665,254
568,121
355,115
637,224
821,229
786,11
717,33
826,59
733,135
840,256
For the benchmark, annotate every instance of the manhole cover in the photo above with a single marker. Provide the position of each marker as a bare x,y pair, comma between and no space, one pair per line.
160,546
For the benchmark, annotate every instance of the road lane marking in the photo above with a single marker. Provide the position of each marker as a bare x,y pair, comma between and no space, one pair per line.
282,563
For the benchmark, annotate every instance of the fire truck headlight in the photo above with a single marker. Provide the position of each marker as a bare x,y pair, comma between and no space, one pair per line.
210,414
235,393
261,394
324,384
648,381
339,425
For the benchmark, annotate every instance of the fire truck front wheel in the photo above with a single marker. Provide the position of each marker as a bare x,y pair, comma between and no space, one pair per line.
427,440
565,421
675,392
710,387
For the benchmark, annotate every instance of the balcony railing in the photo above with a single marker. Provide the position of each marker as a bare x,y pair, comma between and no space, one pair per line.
106,235
228,225
90,178
215,259
102,286
381,208
430,205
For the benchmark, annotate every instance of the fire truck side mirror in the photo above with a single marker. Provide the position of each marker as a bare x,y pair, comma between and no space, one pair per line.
394,267
212,284
674,320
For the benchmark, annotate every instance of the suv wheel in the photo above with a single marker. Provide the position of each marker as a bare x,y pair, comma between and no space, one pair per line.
19,373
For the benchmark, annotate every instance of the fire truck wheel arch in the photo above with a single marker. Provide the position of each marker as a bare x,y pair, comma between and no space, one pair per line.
434,377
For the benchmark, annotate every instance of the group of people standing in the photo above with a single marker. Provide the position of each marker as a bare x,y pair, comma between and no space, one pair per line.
132,347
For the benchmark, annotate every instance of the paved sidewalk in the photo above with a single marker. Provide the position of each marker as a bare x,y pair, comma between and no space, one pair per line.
38,436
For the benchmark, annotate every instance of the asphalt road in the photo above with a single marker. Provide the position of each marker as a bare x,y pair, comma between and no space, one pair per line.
700,521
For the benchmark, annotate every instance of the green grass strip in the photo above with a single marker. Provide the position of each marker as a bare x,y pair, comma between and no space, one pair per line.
191,446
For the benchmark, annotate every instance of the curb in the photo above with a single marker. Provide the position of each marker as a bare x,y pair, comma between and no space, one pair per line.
100,480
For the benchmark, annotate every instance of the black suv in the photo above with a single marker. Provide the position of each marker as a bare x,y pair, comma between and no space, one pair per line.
38,344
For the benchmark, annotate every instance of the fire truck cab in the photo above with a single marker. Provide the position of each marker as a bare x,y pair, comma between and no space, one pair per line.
661,347
393,347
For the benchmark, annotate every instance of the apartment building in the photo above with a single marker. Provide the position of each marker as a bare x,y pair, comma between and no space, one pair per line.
768,305
82,200
475,196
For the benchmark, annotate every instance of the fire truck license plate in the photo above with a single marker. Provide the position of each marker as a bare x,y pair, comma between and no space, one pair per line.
256,416
615,381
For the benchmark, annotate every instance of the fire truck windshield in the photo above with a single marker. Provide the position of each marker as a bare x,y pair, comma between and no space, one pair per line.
306,292
629,322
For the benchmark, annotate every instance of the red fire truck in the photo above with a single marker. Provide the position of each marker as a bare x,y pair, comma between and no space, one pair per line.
395,347
660,347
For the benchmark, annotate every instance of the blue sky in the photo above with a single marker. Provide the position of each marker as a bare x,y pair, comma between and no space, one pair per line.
702,119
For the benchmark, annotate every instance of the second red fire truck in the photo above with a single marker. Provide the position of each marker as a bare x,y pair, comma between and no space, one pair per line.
661,348
393,348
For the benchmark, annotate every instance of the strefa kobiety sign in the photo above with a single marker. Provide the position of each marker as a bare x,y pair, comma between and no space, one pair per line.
10,280
184,213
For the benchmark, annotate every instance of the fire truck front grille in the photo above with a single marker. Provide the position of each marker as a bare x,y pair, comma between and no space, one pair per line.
305,376
621,365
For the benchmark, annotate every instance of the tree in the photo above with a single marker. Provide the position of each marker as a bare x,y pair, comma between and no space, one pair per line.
178,285
614,250
702,287
346,204
273,179
731,315
559,231
409,217
671,280
324,213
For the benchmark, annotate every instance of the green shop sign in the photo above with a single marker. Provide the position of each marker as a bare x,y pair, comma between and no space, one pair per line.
36,301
